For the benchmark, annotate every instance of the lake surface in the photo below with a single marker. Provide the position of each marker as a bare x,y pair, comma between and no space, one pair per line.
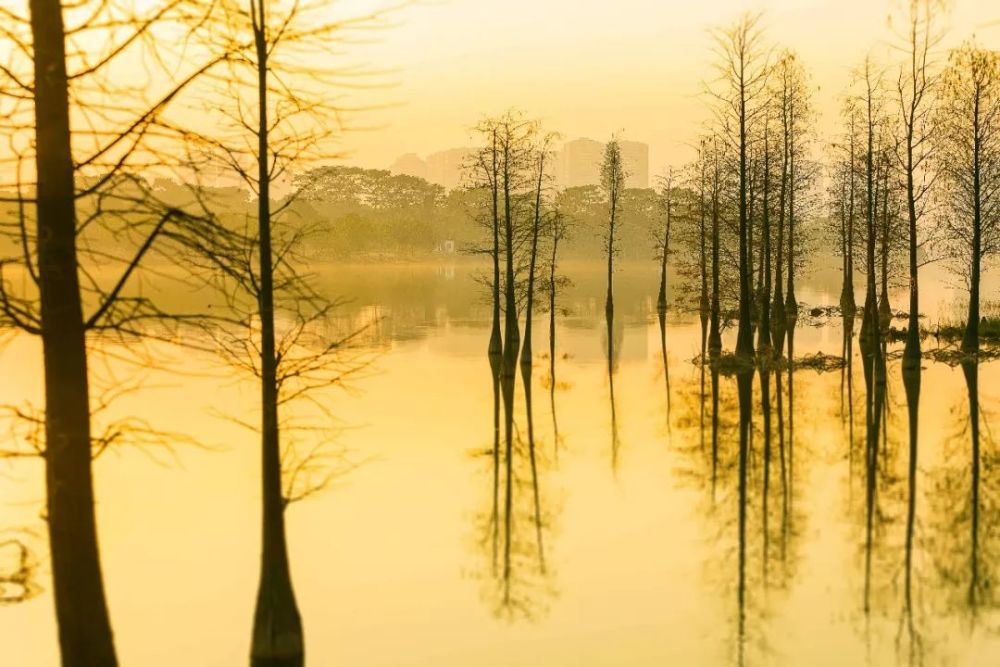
628,539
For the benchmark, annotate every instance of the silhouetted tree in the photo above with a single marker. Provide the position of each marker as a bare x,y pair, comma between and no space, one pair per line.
274,119
663,242
91,134
613,183
968,157
915,87
742,68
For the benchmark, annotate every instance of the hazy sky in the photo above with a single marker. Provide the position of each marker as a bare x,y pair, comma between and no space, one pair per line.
593,67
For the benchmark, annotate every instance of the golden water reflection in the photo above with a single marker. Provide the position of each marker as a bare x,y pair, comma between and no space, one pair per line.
624,524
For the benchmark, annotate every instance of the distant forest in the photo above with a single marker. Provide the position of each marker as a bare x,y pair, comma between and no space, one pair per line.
373,214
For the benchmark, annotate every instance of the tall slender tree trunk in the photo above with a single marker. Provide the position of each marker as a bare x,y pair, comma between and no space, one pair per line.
911,350
778,305
869,322
536,223
847,303
744,340
496,339
715,333
512,337
764,335
884,310
661,300
85,637
970,341
609,302
277,632
703,305
552,343
791,304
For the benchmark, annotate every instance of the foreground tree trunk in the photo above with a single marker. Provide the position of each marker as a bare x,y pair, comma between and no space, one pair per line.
277,629
85,637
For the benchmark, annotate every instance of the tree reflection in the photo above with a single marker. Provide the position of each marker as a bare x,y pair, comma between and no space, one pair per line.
519,581
614,337
964,511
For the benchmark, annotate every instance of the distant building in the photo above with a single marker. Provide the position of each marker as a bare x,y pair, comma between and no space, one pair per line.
579,163
410,164
445,168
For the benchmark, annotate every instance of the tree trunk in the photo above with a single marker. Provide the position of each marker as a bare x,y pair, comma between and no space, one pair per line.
512,339
661,301
791,304
715,334
277,632
911,351
526,348
970,341
85,636
496,340
744,341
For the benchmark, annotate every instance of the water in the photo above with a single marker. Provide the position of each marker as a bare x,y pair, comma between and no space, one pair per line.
634,559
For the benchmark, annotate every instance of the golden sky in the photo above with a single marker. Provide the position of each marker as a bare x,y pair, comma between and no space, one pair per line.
593,67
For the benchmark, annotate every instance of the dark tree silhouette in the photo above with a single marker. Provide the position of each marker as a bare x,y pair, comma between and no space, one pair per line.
968,158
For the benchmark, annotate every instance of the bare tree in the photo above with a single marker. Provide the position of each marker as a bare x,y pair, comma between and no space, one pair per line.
93,131
795,110
538,218
915,88
276,116
742,68
967,129
483,172
663,242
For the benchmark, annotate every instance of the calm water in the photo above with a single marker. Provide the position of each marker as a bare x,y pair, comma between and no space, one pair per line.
629,539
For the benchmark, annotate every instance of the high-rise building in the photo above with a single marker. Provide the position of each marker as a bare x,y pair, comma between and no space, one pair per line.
446,167
579,163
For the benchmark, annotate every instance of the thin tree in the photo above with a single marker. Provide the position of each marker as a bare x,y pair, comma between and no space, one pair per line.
915,87
742,67
538,218
663,243
279,119
613,183
968,134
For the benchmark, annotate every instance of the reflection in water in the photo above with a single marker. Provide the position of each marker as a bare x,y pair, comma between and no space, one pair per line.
977,591
911,384
744,382
964,510
662,316
614,342
526,376
518,585
791,529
